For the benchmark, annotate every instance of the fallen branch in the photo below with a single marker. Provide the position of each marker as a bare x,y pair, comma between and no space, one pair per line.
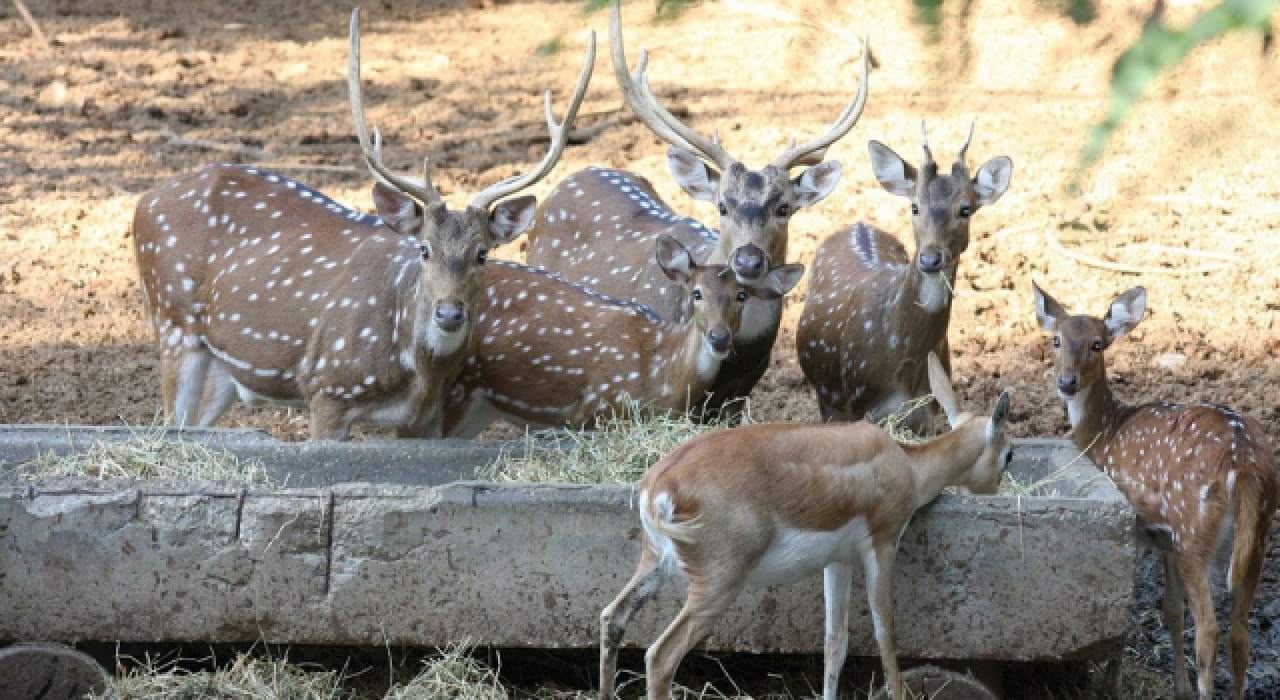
1116,267
31,23
238,148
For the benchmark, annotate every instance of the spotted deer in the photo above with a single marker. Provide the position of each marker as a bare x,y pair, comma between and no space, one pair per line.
775,503
1202,479
872,313
599,226
276,293
552,353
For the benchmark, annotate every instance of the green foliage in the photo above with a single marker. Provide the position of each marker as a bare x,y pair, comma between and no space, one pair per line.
1161,48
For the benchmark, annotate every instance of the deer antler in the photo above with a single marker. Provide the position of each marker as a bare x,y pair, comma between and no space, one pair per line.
645,105
965,148
559,139
423,191
924,141
811,153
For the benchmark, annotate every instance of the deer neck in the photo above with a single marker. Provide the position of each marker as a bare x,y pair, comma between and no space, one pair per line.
683,365
1095,414
940,462
920,311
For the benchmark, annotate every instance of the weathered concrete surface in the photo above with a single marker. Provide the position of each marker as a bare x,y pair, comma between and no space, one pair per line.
300,464
522,565
48,672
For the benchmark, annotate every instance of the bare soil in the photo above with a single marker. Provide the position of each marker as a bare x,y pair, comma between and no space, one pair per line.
1190,182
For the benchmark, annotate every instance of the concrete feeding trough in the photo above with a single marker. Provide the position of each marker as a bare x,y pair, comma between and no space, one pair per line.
424,558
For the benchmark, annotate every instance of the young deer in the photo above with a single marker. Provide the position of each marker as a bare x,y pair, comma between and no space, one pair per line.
872,313
1202,478
774,503
549,352
599,226
292,298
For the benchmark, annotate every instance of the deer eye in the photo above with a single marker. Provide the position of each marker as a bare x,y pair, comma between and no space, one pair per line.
784,210
1057,341
425,250
697,295
966,211
742,296
1097,345
915,209
1008,457
481,257
724,211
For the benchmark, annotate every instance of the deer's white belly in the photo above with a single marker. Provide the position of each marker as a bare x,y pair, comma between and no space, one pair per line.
253,398
797,554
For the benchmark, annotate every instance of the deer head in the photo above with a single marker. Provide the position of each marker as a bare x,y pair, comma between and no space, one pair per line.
1079,341
984,475
715,294
454,244
755,206
941,207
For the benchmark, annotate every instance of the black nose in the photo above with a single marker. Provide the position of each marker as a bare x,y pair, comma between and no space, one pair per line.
450,315
929,260
719,339
1069,385
749,262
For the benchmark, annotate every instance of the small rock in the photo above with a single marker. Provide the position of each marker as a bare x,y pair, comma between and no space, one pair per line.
1170,361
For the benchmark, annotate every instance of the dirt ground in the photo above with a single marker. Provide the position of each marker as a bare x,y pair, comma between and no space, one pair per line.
1186,202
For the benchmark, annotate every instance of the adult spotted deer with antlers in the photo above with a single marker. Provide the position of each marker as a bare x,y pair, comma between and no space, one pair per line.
599,226
550,352
775,503
872,313
278,294
1201,477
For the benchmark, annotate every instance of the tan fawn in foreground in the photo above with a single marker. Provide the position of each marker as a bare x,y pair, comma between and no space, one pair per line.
872,313
550,352
1201,477
774,503
279,294
599,226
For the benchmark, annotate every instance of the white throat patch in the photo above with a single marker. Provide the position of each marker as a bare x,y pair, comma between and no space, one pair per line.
759,317
441,343
935,290
1075,406
708,363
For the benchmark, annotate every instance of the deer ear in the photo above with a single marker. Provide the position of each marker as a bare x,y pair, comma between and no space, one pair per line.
511,217
1125,313
940,384
1001,413
993,179
895,174
675,261
815,183
398,210
778,282
1048,311
696,177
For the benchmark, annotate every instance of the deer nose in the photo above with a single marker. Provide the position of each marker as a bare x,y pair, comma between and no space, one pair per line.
750,262
1068,384
719,337
930,259
450,315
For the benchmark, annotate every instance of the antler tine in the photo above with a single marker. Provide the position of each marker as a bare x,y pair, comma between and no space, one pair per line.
559,139
924,140
423,191
638,96
965,148
811,153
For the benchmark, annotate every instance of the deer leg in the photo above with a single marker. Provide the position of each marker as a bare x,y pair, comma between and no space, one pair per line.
329,419
1195,581
837,589
617,615
707,601
1174,615
184,382
878,563
222,393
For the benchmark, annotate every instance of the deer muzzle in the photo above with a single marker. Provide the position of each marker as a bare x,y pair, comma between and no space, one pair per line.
931,259
1068,384
450,315
749,262
718,338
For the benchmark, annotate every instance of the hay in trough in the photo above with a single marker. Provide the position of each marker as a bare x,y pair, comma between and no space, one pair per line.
146,454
